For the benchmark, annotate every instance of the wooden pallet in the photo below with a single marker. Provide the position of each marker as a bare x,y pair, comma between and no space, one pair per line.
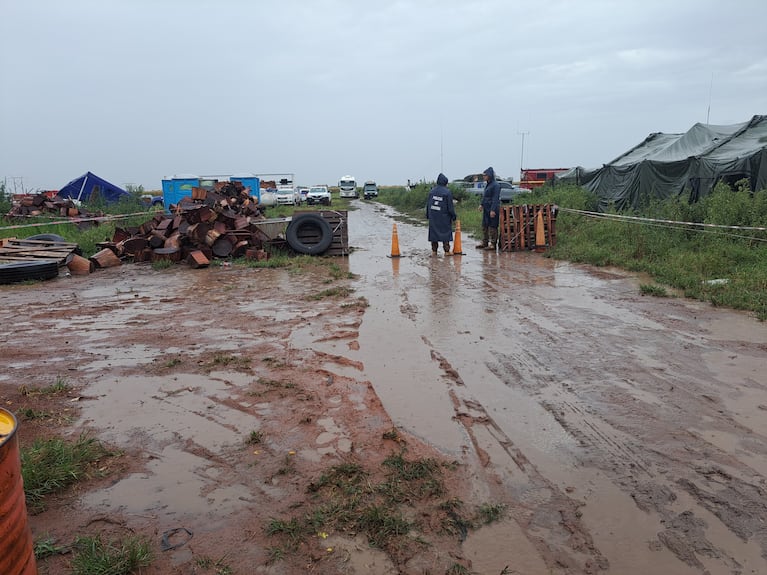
519,224
15,250
337,219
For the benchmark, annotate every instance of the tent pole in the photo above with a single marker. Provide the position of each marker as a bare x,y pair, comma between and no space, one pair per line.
80,194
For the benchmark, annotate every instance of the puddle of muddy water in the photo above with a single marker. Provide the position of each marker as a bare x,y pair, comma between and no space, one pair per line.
171,418
503,547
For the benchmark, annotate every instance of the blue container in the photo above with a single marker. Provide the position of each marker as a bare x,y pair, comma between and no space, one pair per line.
249,181
177,187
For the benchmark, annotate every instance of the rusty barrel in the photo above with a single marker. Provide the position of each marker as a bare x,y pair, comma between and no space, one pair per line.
17,555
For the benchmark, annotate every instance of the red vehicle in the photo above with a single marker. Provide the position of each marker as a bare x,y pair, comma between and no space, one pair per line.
535,178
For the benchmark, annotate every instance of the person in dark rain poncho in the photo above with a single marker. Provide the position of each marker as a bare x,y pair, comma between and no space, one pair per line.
440,212
490,206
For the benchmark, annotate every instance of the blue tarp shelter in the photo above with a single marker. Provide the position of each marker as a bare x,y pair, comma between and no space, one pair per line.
90,187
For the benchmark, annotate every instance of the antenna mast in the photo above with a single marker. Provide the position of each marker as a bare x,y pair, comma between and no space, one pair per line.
522,154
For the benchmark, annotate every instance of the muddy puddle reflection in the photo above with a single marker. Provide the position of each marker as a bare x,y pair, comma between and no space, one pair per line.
182,424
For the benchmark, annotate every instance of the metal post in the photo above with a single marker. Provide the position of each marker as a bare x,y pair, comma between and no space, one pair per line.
522,154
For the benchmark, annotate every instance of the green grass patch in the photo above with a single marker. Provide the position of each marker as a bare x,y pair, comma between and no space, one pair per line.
173,362
158,265
60,386
31,414
228,360
255,437
334,292
95,556
47,548
347,498
49,466
490,513
653,290
216,566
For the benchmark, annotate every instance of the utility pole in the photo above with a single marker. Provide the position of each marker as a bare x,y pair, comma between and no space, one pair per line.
441,161
522,154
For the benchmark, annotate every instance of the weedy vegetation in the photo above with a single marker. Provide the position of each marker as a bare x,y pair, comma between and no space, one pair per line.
95,556
349,498
49,466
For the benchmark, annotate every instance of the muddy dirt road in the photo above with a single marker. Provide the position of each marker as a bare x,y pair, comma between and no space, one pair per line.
626,434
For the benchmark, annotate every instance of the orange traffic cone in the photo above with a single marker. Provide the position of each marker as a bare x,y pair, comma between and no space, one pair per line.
540,233
394,242
457,249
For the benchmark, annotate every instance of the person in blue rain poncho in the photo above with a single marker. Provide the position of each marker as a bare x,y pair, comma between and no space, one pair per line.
440,212
490,206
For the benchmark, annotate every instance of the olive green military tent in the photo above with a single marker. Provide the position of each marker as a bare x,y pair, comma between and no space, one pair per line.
689,164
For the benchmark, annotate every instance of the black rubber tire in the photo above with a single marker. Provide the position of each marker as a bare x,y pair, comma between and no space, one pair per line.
53,238
309,234
25,271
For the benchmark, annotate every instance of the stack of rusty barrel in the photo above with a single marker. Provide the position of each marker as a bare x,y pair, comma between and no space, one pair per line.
218,223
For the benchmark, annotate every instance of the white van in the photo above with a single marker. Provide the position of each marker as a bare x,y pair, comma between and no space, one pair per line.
347,187
370,190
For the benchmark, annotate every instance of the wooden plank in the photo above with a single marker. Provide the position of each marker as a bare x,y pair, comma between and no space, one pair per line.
28,242
36,252
12,258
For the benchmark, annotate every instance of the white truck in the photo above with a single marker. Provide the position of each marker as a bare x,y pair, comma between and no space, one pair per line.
347,187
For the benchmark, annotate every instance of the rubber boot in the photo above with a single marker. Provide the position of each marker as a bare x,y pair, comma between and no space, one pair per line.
446,246
493,239
485,236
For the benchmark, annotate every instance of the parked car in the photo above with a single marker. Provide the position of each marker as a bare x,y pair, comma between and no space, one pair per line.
508,191
151,200
303,191
318,195
288,196
370,190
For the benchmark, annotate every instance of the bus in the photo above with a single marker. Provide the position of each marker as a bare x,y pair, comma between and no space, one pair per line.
535,178
347,187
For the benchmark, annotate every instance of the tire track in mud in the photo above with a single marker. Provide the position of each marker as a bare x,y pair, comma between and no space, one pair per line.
616,444
548,516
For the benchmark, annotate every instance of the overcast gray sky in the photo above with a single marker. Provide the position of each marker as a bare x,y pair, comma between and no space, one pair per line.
135,90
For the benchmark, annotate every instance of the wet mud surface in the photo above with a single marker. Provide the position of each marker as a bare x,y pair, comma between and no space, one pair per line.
625,434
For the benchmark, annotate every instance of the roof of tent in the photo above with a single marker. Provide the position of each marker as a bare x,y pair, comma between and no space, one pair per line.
666,165
83,187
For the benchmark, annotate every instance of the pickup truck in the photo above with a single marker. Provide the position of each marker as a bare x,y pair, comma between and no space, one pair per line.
150,200
318,195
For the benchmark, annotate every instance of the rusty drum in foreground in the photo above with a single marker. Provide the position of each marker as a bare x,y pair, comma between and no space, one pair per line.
17,555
